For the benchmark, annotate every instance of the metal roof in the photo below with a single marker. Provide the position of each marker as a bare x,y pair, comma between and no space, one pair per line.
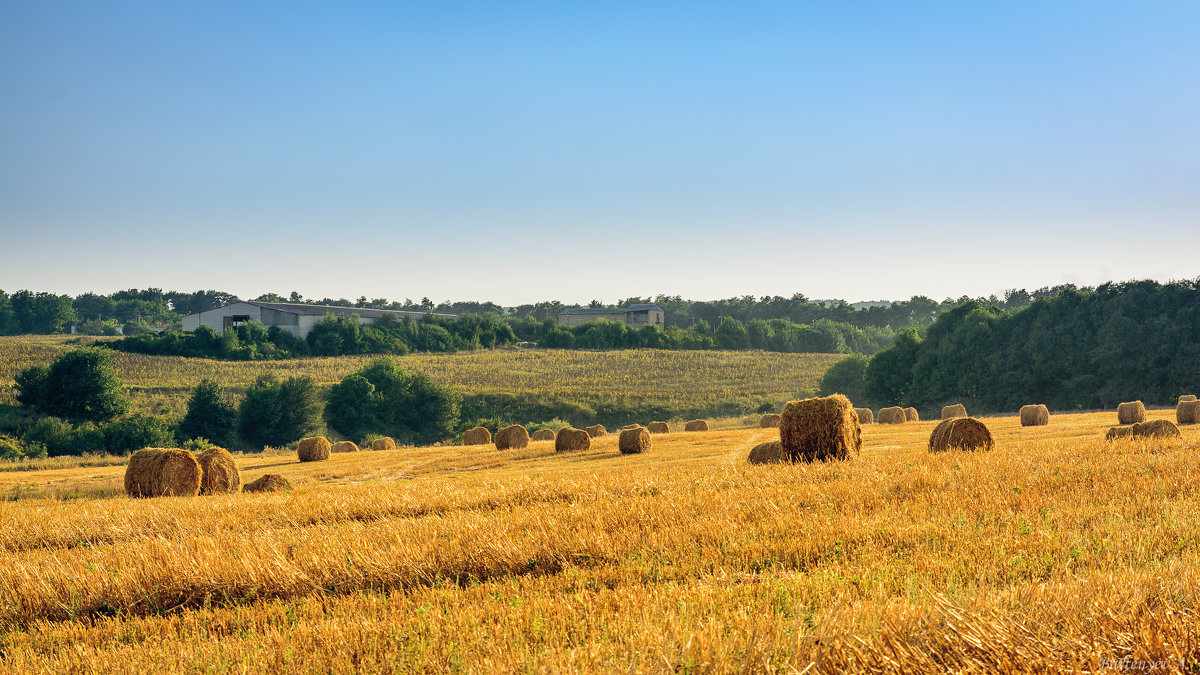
322,310
611,310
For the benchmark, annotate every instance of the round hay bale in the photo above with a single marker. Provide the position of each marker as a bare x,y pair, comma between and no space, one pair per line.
218,471
513,437
634,441
951,411
570,438
630,426
911,415
1156,429
696,425
1131,412
344,446
597,431
1035,415
892,415
770,421
1118,432
385,443
477,436
271,482
1187,412
1187,397
658,428
770,452
162,472
820,429
314,449
542,435
960,433
865,416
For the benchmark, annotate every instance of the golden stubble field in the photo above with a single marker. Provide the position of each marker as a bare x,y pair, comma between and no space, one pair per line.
1056,551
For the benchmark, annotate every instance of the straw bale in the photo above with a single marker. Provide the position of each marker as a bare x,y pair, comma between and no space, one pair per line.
219,473
385,443
770,421
597,431
820,428
911,415
892,415
271,482
1187,397
658,428
1131,412
951,411
313,449
696,425
542,435
634,441
1118,432
960,433
865,416
770,452
162,472
1156,429
570,438
477,436
1035,415
1187,412
513,437
344,446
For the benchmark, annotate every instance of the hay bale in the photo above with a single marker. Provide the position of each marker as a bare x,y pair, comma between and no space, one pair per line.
1131,413
570,438
696,425
1187,412
770,452
344,446
313,449
658,428
162,472
951,411
960,433
770,421
218,471
1156,429
271,482
542,435
911,415
634,441
865,416
477,436
513,437
385,443
1187,397
892,415
1118,432
630,426
820,428
597,431
1035,415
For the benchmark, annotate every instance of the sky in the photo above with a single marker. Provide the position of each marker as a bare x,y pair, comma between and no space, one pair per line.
525,151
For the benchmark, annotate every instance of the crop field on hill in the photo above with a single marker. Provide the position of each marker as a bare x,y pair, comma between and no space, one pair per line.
1054,551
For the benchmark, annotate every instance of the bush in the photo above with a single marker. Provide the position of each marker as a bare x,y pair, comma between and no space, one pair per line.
846,377
11,448
384,398
209,415
276,413
136,432
51,433
79,385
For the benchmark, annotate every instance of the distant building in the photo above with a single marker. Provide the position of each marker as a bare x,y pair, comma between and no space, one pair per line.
634,315
297,319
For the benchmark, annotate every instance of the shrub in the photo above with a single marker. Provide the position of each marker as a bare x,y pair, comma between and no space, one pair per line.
209,415
79,385
136,432
384,398
276,413
51,433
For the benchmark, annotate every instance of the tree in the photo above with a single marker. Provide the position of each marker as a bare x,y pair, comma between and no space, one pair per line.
136,432
276,413
732,334
846,377
209,415
384,398
80,385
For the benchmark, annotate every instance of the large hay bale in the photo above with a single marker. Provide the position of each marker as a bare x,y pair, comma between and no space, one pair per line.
865,416
162,472
271,482
960,433
542,435
892,415
570,438
770,421
385,443
314,449
820,429
219,473
344,446
770,452
696,425
1156,429
1187,397
634,441
658,428
477,436
911,415
513,437
1035,415
951,411
1131,412
597,431
1187,412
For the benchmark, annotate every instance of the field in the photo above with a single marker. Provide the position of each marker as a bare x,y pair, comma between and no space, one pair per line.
1055,551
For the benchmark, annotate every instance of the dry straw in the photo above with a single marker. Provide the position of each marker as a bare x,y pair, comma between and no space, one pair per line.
770,421
770,452
696,425
271,482
820,428
658,428
1035,415
514,437
597,431
634,441
951,411
1187,412
542,435
477,436
344,446
570,438
162,472
1152,429
385,443
219,473
313,449
893,415
865,416
1187,397
1131,412
960,433
911,415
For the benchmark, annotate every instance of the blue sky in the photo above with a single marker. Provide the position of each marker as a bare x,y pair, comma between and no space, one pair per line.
532,150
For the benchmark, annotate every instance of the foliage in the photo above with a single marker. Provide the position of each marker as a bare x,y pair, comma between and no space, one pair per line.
209,415
134,433
79,385
846,377
275,413
384,398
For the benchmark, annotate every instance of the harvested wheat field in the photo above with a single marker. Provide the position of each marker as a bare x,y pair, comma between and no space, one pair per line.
1057,551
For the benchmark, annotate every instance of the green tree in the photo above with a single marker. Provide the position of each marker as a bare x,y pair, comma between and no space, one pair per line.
136,432
846,377
277,413
79,385
384,398
889,375
732,334
209,415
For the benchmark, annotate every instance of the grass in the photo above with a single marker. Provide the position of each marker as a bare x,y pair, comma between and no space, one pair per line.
1052,552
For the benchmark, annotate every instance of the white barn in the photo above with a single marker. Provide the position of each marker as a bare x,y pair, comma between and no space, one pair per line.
297,319
634,315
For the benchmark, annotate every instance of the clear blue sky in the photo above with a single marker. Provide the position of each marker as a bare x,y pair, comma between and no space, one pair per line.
518,151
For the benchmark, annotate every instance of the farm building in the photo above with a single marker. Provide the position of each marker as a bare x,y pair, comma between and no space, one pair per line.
634,315
298,319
